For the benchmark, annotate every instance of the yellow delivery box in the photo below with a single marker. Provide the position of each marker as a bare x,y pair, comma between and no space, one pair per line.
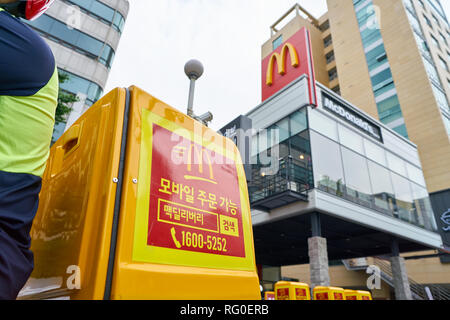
140,201
269,295
357,295
328,293
286,290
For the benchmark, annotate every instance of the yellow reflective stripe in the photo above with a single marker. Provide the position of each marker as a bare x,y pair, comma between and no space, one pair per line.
26,128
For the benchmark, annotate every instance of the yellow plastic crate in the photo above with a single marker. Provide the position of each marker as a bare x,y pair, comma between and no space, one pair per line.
269,295
286,290
328,293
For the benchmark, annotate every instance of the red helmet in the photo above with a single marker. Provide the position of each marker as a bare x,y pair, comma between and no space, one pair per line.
35,8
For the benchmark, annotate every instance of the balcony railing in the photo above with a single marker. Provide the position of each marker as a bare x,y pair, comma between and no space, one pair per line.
289,184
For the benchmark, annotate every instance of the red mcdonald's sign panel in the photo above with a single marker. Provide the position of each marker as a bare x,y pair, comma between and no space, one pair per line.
288,62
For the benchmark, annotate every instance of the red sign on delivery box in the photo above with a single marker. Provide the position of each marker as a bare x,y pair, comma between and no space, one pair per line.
195,201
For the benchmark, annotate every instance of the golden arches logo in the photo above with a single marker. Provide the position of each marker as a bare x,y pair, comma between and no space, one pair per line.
196,153
281,62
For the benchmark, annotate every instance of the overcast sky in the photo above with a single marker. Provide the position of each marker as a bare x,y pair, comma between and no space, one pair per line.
160,36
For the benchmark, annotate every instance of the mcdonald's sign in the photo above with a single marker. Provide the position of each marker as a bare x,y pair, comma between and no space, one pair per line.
194,210
194,156
277,73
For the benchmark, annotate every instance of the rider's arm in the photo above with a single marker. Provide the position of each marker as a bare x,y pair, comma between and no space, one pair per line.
26,62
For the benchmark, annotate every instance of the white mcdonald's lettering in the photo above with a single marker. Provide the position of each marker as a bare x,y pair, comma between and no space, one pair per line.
281,62
350,117
196,154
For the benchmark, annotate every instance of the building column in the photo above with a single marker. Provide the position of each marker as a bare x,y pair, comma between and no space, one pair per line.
318,255
399,274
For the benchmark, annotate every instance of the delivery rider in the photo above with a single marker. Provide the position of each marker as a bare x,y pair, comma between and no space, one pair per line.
28,100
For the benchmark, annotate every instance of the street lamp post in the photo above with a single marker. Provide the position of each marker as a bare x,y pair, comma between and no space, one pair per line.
194,70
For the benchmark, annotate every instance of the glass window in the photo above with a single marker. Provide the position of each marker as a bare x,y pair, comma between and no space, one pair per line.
327,41
376,57
332,74
369,36
71,37
375,153
283,130
436,6
327,165
350,139
409,5
423,214
381,79
423,46
76,84
119,22
263,138
443,38
391,115
300,152
441,98
386,87
99,9
403,204
357,179
299,122
102,10
443,63
415,174
389,107
323,124
401,130
382,189
428,21
435,20
435,42
431,70
447,123
277,42
254,146
414,22
396,164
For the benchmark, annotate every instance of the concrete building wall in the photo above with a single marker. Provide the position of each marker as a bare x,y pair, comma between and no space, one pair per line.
429,270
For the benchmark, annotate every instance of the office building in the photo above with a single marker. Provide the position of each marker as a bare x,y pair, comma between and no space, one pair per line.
373,144
84,36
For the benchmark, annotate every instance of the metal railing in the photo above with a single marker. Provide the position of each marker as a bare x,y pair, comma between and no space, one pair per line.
292,176
418,291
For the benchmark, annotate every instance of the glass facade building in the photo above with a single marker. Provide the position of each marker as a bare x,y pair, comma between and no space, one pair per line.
383,86
430,67
84,36
389,108
313,149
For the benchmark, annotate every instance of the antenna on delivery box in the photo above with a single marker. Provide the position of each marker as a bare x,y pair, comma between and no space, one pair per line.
194,70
